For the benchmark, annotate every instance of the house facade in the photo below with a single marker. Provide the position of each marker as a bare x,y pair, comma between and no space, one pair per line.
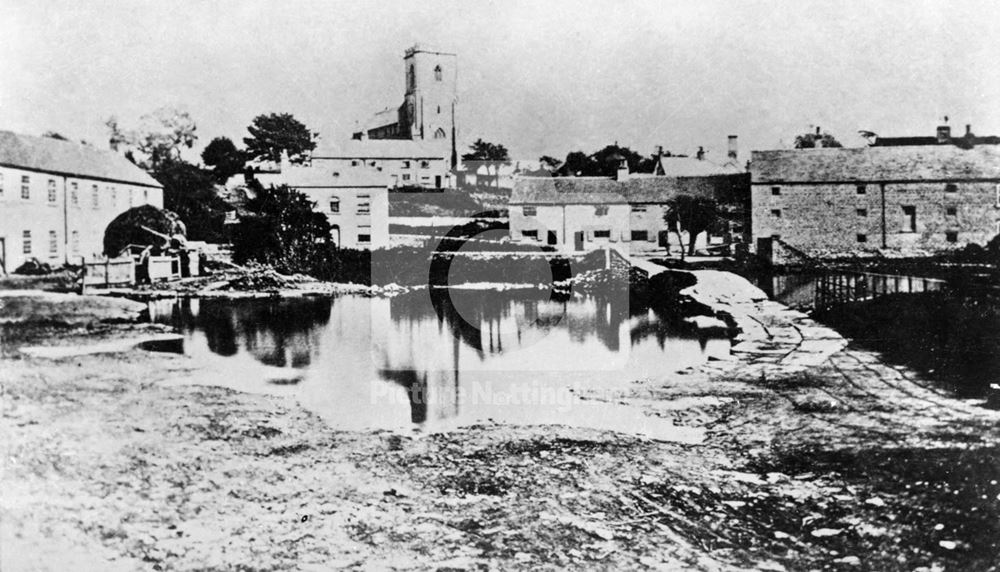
404,163
907,199
58,197
625,212
356,202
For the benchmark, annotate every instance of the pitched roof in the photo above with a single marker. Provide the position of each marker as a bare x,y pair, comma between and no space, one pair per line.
66,158
674,166
603,190
383,149
318,176
905,163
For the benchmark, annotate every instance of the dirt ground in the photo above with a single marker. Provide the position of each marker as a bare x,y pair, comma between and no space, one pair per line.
818,457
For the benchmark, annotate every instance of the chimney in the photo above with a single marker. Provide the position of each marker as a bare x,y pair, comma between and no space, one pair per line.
733,149
817,130
944,131
968,130
701,153
622,174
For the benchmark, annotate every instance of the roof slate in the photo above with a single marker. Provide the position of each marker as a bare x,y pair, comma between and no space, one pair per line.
603,190
66,158
905,163
383,149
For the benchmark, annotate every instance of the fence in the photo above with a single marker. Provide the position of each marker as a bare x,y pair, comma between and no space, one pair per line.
842,287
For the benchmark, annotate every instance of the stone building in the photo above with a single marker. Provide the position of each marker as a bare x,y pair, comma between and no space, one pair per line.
355,201
911,198
423,128
57,198
625,212
404,163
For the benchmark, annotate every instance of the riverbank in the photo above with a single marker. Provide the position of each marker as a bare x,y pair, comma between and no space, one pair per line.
818,455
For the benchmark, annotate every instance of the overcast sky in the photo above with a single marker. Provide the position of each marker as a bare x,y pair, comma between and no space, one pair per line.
539,77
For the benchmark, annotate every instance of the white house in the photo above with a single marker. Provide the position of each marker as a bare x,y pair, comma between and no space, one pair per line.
58,197
404,162
356,201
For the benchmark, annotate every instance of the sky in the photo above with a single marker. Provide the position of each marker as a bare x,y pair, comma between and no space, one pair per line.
538,77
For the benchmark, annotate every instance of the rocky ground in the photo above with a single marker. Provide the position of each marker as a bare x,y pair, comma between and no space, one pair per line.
818,457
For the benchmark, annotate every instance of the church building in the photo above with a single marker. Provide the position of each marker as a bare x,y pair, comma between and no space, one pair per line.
424,152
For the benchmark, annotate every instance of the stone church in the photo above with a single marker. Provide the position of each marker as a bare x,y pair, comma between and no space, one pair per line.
428,109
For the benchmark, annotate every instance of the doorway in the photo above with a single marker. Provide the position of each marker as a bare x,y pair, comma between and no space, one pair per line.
553,239
437,181
578,240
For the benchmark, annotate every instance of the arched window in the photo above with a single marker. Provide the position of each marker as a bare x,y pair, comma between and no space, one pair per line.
439,134
411,78
437,73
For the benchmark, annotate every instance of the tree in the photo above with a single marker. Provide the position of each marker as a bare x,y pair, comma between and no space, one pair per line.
577,164
189,191
283,231
160,138
490,154
224,157
692,214
604,162
817,139
276,132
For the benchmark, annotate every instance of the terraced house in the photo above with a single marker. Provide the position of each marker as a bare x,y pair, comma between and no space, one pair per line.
57,198
625,212
900,196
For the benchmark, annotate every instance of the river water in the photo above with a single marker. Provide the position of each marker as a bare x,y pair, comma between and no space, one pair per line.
435,359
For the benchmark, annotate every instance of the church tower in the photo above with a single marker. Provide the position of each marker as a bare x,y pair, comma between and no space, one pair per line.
428,111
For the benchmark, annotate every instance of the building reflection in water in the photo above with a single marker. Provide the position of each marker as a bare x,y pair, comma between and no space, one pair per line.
366,360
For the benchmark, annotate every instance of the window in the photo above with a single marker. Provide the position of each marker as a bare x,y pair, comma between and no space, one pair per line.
53,242
75,241
26,242
335,205
532,234
95,201
951,236
406,176
406,164
951,188
354,163
74,194
52,190
364,238
439,134
862,189
529,211
411,78
775,191
25,187
425,164
364,207
145,195
638,208
602,234
439,110
374,163
640,235
862,212
909,219
437,76
600,210
862,238
951,211
776,213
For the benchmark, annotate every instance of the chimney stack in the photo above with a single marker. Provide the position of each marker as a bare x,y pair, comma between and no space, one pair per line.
733,149
622,174
817,130
968,130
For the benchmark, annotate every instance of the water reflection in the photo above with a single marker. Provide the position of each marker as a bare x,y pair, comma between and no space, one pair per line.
434,357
